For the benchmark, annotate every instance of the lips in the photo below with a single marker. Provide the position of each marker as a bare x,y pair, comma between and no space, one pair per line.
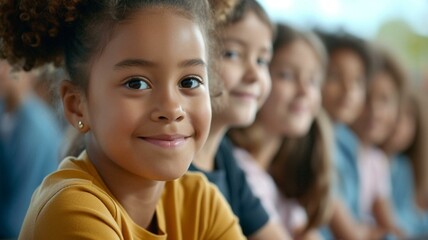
245,95
166,141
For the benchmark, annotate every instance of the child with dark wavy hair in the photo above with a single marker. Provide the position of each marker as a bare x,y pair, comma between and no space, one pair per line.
138,90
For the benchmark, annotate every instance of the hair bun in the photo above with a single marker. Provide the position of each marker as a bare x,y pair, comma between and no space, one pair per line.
222,9
33,32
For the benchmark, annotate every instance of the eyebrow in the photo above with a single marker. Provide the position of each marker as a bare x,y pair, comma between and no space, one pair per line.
133,63
235,40
242,43
128,63
192,63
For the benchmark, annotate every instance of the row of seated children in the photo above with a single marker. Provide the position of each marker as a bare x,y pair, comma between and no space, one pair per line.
309,141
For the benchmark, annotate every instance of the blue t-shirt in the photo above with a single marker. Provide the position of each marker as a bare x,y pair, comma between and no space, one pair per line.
347,181
347,184
231,181
28,152
414,222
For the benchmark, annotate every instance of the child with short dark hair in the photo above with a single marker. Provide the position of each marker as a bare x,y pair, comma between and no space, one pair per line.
343,97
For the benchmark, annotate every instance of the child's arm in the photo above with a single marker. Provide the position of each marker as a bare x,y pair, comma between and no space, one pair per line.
344,226
271,230
382,212
312,234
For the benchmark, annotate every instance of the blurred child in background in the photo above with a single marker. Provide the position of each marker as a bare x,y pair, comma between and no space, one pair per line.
343,97
373,127
30,137
245,37
408,154
290,133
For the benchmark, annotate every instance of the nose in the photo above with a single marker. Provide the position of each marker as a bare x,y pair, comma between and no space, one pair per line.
168,108
251,72
302,85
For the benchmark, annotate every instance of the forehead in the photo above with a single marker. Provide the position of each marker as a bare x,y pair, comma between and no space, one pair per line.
299,50
158,35
247,29
383,81
347,57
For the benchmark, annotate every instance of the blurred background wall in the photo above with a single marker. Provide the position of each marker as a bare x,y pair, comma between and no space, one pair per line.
399,25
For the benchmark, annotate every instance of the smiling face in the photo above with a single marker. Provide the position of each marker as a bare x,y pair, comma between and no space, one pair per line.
404,133
147,106
380,114
244,70
296,72
343,93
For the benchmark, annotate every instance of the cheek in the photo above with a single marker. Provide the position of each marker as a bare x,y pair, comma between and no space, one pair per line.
265,87
358,97
111,112
315,100
408,134
387,114
281,95
330,92
200,113
230,77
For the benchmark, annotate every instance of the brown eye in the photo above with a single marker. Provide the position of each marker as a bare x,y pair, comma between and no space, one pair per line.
190,82
137,84
286,75
230,54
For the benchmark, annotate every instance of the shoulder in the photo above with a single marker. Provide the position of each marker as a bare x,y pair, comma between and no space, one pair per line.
74,182
72,187
191,184
74,194
201,206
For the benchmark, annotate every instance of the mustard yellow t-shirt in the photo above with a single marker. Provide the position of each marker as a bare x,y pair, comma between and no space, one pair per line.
74,203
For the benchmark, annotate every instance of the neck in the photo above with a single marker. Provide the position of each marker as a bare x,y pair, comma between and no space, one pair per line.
205,157
267,147
13,100
139,196
388,152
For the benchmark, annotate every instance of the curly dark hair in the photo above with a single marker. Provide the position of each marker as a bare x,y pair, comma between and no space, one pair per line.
71,32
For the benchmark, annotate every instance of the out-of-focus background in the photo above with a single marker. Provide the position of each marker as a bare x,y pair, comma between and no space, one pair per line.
399,25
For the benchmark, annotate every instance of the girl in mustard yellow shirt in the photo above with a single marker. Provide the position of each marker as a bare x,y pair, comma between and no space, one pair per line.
138,90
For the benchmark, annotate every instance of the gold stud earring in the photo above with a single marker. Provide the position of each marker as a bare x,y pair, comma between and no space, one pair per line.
80,124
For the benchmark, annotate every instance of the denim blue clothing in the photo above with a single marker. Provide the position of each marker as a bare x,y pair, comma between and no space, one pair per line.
412,221
345,161
28,153
347,181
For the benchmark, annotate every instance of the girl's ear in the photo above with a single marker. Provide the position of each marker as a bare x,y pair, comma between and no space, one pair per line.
74,104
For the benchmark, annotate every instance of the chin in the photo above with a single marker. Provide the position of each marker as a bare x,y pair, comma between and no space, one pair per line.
297,133
169,173
168,176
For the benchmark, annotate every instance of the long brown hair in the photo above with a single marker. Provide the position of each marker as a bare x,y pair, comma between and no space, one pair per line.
417,150
302,170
